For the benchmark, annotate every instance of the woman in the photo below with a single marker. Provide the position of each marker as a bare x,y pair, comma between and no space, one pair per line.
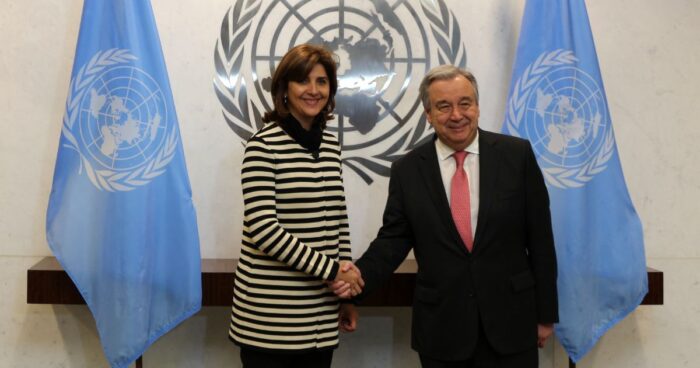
295,231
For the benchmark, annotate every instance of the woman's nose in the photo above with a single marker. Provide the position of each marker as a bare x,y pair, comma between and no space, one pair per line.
313,88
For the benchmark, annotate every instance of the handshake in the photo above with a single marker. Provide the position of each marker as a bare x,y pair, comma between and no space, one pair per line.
348,282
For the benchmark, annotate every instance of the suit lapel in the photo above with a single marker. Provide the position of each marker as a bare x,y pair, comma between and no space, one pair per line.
489,162
430,172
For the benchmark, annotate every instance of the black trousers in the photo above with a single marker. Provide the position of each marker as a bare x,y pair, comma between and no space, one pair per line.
485,357
258,359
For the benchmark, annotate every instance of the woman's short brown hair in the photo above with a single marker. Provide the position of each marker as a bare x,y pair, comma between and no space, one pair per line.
295,67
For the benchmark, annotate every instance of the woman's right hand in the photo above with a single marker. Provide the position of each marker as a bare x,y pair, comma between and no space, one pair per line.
348,282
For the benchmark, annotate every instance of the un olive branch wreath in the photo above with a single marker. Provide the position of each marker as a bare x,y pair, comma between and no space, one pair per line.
556,176
109,180
447,35
228,58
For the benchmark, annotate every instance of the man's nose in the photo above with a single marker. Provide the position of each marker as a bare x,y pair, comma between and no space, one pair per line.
456,114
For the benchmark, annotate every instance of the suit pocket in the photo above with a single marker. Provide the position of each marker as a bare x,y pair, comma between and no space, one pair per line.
427,295
522,281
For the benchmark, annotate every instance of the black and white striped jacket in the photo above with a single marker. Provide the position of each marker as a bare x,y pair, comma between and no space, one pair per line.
295,230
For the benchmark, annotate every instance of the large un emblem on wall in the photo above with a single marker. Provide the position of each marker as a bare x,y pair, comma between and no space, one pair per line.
561,110
384,49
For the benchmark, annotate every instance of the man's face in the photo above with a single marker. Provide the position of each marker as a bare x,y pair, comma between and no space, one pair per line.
454,111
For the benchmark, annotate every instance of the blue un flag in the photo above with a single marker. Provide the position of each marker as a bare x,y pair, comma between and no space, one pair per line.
557,101
120,217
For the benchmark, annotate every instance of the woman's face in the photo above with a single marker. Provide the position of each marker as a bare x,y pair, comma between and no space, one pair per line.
307,98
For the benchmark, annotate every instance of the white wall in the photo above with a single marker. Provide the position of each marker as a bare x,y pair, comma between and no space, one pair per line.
648,53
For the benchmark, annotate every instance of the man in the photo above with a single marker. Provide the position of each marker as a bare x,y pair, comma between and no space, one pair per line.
481,233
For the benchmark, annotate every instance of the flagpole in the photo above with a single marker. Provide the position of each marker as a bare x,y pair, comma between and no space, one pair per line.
139,362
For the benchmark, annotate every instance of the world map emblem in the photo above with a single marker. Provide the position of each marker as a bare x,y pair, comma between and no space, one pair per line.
117,121
383,49
562,111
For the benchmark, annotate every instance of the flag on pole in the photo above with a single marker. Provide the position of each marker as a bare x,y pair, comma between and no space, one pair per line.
120,218
557,101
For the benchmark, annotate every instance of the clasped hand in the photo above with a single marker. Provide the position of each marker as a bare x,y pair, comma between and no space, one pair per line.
348,282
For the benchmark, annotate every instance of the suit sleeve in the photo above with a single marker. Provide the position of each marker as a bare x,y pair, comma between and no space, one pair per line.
258,183
393,242
541,242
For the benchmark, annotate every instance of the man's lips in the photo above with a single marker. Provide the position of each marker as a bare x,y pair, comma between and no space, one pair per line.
458,126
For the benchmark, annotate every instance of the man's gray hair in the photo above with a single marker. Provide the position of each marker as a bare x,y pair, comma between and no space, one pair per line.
444,72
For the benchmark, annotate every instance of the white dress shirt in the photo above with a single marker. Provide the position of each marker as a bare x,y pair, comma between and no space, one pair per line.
447,165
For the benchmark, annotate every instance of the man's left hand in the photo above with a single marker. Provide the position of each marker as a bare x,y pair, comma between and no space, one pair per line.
544,331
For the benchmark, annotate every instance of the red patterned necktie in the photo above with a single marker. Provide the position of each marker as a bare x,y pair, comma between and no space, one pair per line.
459,201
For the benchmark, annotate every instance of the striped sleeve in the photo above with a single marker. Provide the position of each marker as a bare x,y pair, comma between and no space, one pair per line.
258,184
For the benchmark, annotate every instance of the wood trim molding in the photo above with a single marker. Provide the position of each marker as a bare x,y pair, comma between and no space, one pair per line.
48,283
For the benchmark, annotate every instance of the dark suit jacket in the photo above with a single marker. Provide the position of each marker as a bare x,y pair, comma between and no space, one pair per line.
509,279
